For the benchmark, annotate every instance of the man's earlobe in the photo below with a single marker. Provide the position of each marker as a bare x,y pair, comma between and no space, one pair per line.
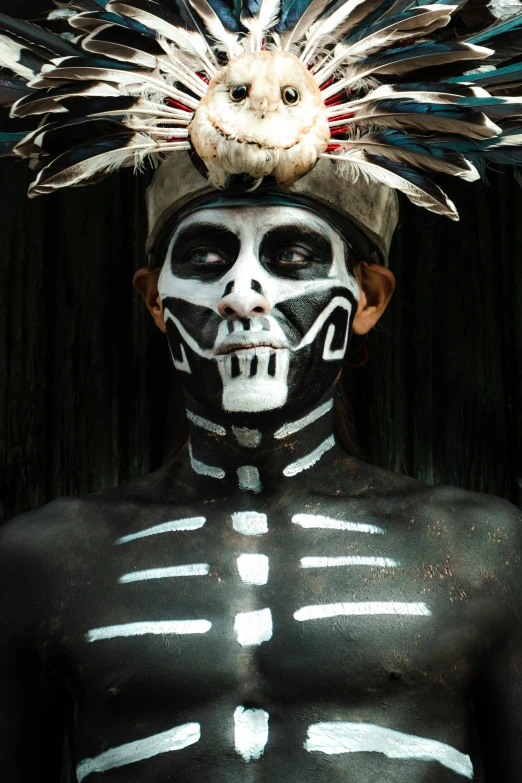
145,281
376,286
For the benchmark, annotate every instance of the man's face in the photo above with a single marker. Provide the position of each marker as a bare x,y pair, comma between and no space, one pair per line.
258,304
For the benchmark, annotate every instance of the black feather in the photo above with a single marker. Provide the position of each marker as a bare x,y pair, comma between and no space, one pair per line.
12,90
59,137
505,37
37,39
78,167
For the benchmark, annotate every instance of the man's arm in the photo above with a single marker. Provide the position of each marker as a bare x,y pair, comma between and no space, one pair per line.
498,688
31,715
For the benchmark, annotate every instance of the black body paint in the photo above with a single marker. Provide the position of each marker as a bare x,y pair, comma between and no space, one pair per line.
451,674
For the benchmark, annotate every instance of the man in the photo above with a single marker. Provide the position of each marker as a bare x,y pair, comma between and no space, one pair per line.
264,605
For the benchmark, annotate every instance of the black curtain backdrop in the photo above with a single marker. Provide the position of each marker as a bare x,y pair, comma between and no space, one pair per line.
89,399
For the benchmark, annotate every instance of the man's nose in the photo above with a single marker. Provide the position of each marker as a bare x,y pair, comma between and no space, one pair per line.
246,302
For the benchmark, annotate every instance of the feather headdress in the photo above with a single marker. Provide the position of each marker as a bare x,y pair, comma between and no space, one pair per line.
387,89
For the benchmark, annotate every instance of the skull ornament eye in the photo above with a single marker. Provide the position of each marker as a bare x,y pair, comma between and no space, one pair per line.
239,92
290,96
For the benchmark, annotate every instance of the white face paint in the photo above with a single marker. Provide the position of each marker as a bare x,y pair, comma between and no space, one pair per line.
258,303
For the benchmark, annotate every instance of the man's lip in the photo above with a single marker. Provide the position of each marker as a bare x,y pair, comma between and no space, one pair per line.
240,341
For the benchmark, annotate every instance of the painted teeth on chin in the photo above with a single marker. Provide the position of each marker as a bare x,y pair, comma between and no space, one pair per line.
249,363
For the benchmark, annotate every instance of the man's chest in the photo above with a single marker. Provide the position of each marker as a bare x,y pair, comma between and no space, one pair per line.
298,603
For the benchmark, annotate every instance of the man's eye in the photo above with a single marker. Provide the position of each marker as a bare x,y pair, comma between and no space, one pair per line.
292,256
207,256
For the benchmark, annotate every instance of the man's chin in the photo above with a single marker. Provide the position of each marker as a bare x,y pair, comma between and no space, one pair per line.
254,395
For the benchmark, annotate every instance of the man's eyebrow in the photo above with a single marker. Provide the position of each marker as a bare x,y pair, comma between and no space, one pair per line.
195,229
299,227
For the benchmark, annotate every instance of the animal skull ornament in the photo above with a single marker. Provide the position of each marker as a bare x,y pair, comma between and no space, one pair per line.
263,115
258,303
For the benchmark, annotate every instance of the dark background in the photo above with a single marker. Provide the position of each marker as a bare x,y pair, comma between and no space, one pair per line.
87,396
89,400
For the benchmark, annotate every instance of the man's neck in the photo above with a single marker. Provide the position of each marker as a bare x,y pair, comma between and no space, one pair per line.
252,459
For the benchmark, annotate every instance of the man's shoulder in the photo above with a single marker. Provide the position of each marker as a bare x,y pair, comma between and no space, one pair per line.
69,523
475,511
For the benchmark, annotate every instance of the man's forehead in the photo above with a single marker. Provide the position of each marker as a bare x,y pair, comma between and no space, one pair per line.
255,219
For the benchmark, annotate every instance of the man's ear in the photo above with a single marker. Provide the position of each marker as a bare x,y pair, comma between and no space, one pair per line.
145,281
376,285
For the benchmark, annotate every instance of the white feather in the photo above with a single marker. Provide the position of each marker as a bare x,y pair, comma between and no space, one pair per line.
9,56
404,64
419,25
186,40
355,164
326,27
227,39
259,24
134,154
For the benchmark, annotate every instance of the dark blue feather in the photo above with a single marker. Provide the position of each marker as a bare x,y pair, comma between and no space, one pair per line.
375,15
505,37
226,14
124,21
487,151
293,10
368,30
8,141
93,61
503,80
512,24
441,52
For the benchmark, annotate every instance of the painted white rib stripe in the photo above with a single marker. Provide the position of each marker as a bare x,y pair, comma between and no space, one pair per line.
340,737
204,470
192,569
205,424
328,523
318,611
253,628
253,569
250,732
250,523
309,459
331,562
179,627
175,525
295,426
174,739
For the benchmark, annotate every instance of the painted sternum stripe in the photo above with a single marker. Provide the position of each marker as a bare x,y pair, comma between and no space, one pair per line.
329,523
253,628
296,426
174,739
175,525
191,569
350,560
319,611
340,737
248,479
310,459
250,523
161,627
250,732
253,569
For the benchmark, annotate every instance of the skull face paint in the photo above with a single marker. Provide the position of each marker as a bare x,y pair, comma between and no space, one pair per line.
258,303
